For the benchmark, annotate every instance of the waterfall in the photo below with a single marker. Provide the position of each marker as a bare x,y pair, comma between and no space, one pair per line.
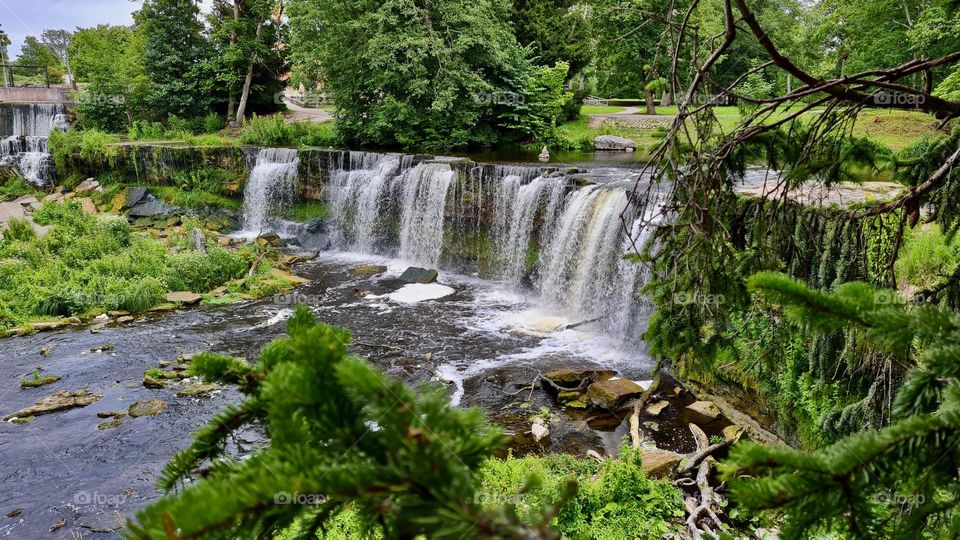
26,147
271,188
560,235
384,203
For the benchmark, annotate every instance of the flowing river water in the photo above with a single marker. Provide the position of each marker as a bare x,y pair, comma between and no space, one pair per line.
524,253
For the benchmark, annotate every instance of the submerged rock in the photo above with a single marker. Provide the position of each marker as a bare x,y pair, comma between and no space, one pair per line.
38,381
116,422
419,275
660,463
150,407
152,383
61,401
610,394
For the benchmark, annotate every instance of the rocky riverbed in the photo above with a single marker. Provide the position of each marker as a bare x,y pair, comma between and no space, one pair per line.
87,467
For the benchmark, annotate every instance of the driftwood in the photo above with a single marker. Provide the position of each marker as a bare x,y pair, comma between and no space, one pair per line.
638,407
256,263
702,519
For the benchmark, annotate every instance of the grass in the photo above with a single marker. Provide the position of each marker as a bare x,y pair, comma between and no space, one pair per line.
275,131
15,187
601,109
187,198
90,264
309,211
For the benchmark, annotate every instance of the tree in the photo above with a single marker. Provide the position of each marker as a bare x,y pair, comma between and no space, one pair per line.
247,35
341,434
436,74
58,41
555,31
36,54
110,60
176,58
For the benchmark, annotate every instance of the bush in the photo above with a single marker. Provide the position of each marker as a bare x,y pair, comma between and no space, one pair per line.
19,230
15,187
275,131
927,258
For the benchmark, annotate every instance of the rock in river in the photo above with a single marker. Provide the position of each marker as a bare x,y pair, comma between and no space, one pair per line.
706,408
184,297
150,407
198,389
612,393
419,275
572,378
60,401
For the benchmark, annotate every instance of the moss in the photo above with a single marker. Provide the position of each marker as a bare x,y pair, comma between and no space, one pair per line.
305,211
37,381
195,199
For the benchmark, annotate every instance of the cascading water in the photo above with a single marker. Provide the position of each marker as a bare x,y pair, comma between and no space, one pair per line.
551,232
26,146
271,188
364,201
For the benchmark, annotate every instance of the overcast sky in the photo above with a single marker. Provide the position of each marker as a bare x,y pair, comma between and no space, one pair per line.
22,18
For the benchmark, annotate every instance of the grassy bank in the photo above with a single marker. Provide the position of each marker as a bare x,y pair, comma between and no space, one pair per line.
84,265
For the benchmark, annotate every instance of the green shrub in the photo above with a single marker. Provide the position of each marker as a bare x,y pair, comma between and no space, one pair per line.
275,131
144,130
15,187
19,230
927,258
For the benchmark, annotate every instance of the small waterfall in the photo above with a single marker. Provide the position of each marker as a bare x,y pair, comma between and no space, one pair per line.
271,188
421,220
26,147
383,203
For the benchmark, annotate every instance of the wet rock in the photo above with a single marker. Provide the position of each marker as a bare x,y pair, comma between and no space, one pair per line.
111,424
369,270
539,429
316,237
183,297
152,383
288,277
270,239
567,396
125,319
572,378
612,393
578,404
705,408
419,275
660,463
15,512
199,240
607,143
37,381
222,223
61,401
46,351
47,326
198,389
656,408
110,414
150,407
162,308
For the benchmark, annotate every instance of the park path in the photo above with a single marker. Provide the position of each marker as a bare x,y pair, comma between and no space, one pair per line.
631,115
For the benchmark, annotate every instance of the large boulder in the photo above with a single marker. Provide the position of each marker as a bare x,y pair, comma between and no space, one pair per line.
88,186
150,206
612,143
613,393
705,408
572,378
183,297
419,275
11,210
132,196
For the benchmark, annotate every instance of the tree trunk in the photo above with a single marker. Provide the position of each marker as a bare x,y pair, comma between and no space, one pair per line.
665,100
651,108
231,99
245,94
